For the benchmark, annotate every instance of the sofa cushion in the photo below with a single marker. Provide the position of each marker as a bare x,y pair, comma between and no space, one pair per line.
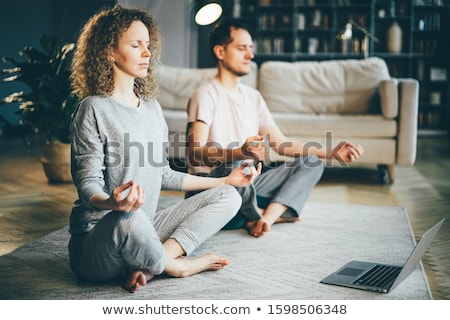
176,84
358,126
339,86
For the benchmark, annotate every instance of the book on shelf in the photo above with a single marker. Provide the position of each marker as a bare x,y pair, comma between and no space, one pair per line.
430,120
438,74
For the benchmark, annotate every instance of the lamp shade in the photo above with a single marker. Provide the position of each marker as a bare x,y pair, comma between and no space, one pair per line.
208,13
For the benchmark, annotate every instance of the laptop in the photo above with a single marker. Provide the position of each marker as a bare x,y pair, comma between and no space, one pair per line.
378,277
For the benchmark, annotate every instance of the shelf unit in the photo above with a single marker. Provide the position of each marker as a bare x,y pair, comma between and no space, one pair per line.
305,30
424,55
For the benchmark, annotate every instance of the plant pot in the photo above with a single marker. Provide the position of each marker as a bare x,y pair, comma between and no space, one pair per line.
56,162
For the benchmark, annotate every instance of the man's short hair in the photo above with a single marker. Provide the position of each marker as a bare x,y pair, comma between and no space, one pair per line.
221,32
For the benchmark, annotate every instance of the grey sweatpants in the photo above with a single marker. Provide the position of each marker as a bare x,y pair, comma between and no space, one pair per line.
121,240
289,184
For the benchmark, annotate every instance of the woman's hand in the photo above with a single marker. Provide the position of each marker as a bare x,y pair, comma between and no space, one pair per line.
244,174
129,203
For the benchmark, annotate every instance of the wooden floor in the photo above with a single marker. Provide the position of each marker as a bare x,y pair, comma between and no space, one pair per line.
30,207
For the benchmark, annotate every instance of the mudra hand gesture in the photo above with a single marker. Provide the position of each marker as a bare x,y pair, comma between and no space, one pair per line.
243,175
347,152
254,148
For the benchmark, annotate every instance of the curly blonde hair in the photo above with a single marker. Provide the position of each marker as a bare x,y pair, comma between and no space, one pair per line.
91,71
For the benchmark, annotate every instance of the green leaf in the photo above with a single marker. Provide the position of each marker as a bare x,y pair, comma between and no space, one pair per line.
49,105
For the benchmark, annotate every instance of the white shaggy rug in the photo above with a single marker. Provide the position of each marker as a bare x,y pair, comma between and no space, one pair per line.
287,263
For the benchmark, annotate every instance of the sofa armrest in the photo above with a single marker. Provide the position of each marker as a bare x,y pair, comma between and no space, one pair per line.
407,122
389,98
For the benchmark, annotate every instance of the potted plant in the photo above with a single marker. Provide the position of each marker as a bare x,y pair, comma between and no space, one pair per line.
49,105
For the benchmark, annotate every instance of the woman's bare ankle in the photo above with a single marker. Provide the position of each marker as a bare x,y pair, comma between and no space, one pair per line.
182,267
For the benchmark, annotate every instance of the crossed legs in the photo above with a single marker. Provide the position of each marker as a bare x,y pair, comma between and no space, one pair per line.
288,187
183,228
176,266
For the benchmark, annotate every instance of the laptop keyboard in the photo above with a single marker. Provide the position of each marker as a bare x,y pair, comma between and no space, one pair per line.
379,276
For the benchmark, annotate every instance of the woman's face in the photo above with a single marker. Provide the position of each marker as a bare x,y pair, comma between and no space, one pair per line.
131,57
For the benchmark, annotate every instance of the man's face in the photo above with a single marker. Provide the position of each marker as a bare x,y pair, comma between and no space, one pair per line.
236,56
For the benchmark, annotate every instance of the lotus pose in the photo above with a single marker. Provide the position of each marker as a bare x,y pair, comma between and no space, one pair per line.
119,164
230,122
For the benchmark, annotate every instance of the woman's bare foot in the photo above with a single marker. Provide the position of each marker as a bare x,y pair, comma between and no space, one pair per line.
257,228
182,267
137,278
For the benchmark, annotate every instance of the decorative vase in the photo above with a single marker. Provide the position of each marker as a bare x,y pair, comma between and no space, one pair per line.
394,38
56,162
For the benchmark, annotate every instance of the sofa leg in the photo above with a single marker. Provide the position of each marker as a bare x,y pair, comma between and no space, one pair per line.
386,173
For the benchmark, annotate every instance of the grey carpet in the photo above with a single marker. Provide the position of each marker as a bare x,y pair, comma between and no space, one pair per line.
287,263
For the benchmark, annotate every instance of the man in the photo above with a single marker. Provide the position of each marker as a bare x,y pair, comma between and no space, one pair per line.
229,122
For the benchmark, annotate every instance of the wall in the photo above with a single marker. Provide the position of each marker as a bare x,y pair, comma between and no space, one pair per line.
15,33
176,27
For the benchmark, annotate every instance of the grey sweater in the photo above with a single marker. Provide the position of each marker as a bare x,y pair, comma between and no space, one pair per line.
113,144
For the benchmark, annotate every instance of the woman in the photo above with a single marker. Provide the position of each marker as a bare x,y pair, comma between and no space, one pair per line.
119,164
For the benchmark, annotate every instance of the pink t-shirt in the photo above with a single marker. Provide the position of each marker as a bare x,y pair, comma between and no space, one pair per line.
231,120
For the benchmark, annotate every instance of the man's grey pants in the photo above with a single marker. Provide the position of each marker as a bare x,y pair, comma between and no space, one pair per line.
289,184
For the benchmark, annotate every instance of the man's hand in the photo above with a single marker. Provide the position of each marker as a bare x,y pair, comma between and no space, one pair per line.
254,148
347,152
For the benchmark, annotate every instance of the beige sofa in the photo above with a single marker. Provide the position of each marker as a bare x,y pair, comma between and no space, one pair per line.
320,103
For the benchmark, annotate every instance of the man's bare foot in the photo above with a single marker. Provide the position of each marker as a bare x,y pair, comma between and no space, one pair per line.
137,278
283,220
257,228
182,267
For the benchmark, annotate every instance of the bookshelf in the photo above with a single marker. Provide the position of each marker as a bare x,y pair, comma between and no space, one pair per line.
305,30
431,66
425,27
